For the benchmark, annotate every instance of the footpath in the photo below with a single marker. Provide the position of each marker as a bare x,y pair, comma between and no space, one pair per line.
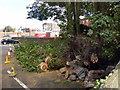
113,81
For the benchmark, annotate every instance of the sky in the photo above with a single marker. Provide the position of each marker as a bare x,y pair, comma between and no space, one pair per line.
14,13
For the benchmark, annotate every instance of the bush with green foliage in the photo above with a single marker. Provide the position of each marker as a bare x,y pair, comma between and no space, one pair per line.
27,56
30,54
57,48
104,29
99,83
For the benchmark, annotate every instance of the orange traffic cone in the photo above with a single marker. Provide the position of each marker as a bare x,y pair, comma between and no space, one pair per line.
7,61
9,54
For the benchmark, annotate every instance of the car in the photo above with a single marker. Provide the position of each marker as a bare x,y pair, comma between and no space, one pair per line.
9,41
7,36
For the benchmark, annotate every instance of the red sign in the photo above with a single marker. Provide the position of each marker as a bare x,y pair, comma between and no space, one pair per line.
41,35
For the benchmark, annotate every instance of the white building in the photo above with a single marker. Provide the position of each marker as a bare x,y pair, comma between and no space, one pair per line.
51,28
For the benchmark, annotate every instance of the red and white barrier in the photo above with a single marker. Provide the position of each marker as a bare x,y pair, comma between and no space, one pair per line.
9,54
10,49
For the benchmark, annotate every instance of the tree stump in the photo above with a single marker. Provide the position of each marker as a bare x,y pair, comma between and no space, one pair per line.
43,66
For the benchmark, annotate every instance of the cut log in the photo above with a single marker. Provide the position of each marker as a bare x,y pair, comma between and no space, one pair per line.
43,66
75,63
89,84
72,78
47,58
63,70
67,74
86,63
78,57
94,58
81,72
71,64
95,74
78,63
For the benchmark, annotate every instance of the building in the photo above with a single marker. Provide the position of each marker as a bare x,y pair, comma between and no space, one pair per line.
85,21
52,29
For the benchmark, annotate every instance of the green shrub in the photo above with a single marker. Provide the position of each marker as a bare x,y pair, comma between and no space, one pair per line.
104,29
99,82
27,55
30,55
57,48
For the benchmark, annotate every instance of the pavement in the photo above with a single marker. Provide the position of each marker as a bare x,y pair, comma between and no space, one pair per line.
113,81
49,79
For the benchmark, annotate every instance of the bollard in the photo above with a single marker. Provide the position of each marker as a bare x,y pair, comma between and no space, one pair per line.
9,54
7,61
10,50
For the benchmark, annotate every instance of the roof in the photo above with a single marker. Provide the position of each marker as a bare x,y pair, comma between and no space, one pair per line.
85,21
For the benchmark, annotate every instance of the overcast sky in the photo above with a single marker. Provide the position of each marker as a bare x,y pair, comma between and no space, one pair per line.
14,13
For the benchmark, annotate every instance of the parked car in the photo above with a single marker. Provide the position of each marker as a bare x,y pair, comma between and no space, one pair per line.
9,41
7,36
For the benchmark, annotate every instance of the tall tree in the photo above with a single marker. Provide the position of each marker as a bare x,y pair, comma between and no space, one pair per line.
102,7
76,15
66,12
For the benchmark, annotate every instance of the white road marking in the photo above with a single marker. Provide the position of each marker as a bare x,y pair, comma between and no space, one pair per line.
21,83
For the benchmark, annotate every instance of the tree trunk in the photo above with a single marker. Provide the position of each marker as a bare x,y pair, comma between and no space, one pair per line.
77,18
69,18
101,7
73,13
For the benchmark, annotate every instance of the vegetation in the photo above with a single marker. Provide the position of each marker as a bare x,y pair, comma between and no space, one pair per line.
99,82
104,29
67,13
59,11
8,29
27,56
57,49
100,40
30,55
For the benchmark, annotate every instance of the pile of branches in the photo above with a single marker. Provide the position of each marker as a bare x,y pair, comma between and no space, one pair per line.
87,49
